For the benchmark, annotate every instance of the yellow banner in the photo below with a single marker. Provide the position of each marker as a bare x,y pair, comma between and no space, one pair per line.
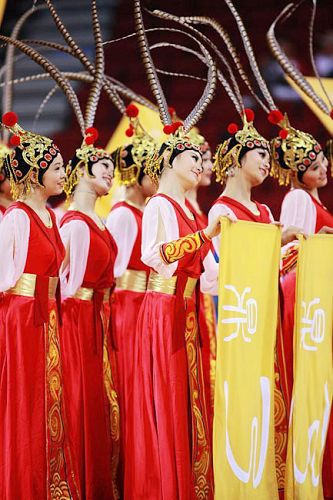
313,369
243,440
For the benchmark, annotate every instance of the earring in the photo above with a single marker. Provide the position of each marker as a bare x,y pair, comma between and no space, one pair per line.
231,172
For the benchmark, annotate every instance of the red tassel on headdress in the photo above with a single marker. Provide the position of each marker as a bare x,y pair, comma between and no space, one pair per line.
132,111
283,133
331,114
129,132
91,135
232,128
15,140
168,129
249,113
275,116
10,119
175,126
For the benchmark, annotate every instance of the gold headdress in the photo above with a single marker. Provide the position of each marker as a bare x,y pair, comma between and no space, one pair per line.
130,159
295,150
31,153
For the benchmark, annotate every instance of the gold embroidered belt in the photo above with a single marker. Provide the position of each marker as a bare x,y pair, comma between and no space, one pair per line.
88,294
156,283
134,281
26,286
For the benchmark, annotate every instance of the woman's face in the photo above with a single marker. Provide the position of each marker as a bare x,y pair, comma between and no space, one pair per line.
207,169
316,175
187,167
148,187
103,171
5,189
54,177
256,166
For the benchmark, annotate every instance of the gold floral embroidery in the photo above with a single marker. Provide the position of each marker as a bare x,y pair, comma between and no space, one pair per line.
209,314
201,457
58,485
114,407
175,250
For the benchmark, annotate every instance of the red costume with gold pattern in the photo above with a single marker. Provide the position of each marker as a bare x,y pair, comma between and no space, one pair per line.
35,461
88,355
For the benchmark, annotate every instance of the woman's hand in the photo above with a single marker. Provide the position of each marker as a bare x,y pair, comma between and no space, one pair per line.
213,229
326,230
290,234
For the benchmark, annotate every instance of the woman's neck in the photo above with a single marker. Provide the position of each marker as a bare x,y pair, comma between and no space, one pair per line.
238,189
134,195
192,196
36,199
84,199
5,201
171,187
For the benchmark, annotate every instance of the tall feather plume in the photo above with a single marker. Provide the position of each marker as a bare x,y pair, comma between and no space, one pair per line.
313,16
286,65
153,79
44,102
208,21
7,98
97,84
81,56
231,89
250,54
54,72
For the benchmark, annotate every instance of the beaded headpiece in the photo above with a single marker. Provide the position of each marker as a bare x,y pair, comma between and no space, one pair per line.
236,145
84,159
130,160
31,153
163,156
178,132
295,150
292,151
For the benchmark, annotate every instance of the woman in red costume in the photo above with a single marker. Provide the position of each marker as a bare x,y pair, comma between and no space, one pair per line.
34,454
242,162
125,224
5,195
299,159
167,422
207,315
88,364
170,430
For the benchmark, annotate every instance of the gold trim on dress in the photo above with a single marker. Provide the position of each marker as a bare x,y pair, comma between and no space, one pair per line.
157,283
87,294
26,285
134,281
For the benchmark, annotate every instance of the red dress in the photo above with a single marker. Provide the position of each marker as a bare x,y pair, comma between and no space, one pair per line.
280,404
167,420
89,370
288,285
126,303
35,462
207,327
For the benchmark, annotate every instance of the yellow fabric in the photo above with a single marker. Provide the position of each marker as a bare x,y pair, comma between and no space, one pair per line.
151,122
243,434
2,9
328,85
313,368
